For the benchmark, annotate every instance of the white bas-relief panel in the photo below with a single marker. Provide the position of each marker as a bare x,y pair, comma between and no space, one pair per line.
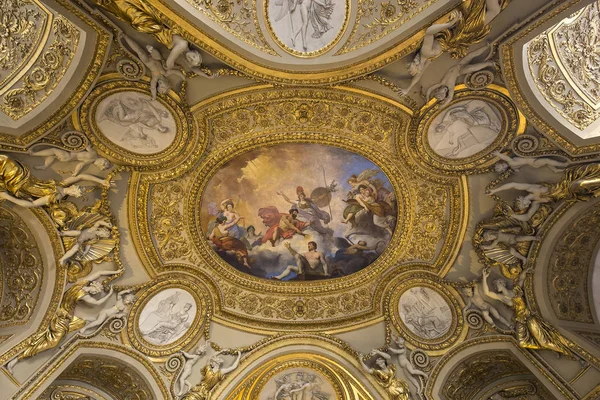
135,123
464,129
425,313
308,27
298,383
167,316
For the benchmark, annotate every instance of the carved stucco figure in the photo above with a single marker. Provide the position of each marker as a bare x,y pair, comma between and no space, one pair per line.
84,158
65,321
403,354
125,299
444,91
212,373
531,331
385,375
18,186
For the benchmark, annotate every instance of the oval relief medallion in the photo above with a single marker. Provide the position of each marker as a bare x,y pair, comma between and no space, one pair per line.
460,138
167,316
132,121
299,212
425,313
307,28
464,128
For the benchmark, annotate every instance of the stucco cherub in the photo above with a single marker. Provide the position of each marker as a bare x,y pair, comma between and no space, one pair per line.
84,158
125,299
64,320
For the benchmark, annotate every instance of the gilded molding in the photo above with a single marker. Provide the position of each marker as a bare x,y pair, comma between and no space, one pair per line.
322,304
59,391
555,70
57,291
592,337
262,72
521,387
110,375
39,379
252,386
377,19
26,34
427,320
507,55
473,374
301,54
203,299
267,111
45,74
320,344
474,343
239,19
568,268
88,78
21,269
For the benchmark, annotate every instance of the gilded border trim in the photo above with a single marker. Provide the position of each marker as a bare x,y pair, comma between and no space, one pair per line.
93,70
507,55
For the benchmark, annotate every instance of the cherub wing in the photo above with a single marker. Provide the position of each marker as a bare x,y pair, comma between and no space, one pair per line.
501,255
367,174
98,249
84,220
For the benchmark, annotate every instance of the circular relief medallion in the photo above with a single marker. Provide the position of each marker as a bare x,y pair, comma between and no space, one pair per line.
299,212
460,138
464,128
425,312
132,121
307,28
167,317
125,125
303,383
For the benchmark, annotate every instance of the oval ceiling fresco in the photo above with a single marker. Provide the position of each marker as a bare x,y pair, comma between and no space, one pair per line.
299,212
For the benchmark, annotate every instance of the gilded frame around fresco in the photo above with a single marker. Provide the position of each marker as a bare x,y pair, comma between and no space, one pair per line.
266,306
324,351
262,72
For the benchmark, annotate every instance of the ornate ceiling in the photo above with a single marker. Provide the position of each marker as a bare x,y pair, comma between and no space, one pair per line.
295,200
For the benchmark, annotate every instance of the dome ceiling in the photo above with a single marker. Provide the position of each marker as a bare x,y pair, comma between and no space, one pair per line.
254,200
